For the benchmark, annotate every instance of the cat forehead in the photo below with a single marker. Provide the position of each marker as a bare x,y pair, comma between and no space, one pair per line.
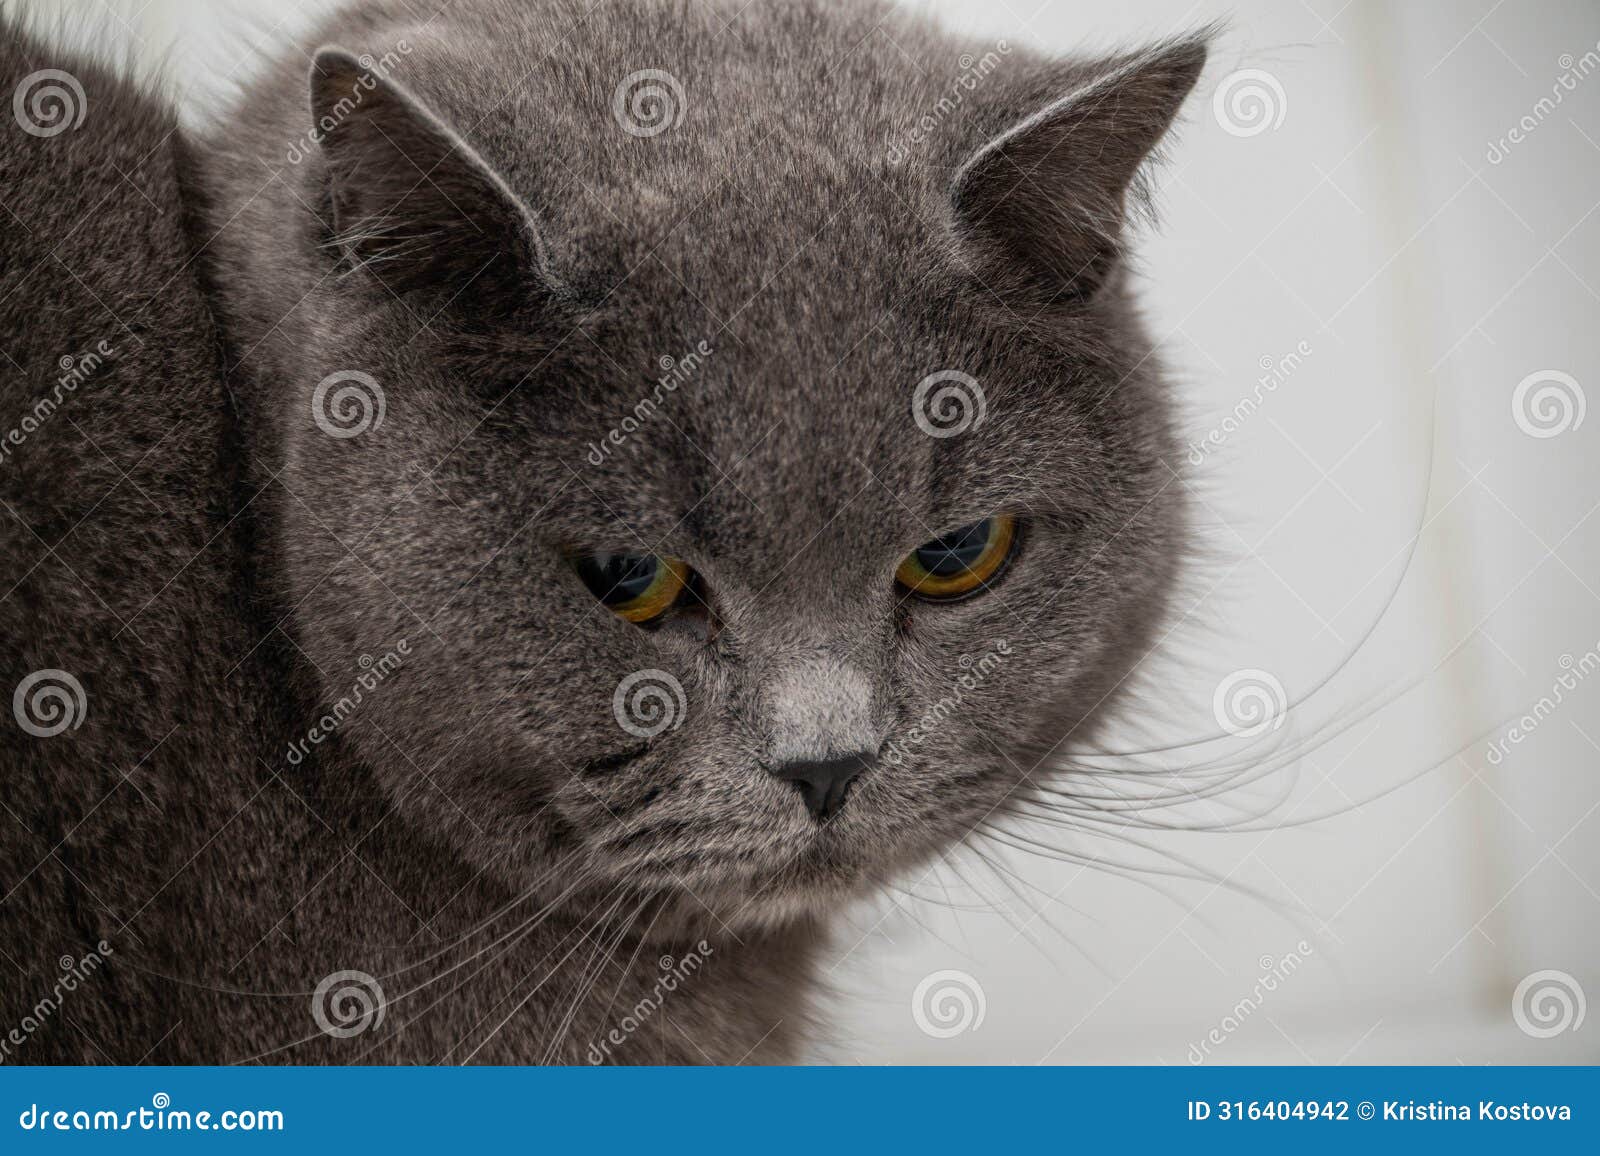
694,141
706,457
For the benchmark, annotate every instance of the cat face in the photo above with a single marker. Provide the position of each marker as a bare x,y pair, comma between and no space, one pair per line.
752,538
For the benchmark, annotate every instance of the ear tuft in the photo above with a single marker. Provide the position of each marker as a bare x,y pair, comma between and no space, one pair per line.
410,202
1040,208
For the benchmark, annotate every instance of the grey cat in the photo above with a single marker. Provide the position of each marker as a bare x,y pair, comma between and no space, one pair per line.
551,507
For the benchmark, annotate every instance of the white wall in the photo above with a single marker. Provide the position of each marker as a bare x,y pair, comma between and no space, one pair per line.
1427,283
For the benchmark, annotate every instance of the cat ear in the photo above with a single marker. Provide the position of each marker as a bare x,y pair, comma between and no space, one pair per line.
410,201
1041,206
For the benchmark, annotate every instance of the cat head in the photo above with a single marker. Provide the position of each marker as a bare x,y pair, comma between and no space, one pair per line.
749,434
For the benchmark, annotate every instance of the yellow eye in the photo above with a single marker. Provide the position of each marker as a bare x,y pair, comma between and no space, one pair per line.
639,587
961,562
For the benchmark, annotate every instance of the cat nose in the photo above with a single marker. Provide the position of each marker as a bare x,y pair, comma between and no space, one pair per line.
823,783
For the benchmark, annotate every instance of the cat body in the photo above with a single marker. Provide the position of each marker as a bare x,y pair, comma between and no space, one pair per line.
355,769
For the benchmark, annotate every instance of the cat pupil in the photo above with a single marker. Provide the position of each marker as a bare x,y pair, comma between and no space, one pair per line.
619,578
956,552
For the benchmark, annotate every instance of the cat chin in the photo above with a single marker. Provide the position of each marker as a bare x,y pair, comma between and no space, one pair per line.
778,898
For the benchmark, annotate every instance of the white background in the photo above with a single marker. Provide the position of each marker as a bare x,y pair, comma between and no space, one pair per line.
1427,281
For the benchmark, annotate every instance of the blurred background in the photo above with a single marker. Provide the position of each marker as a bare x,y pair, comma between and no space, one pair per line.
1376,280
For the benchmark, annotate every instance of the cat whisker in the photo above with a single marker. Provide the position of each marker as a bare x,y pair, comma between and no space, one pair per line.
582,936
602,957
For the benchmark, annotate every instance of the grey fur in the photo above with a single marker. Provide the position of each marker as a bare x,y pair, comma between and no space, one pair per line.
479,835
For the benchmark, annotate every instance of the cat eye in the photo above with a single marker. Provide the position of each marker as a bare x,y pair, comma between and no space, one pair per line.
961,562
637,587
